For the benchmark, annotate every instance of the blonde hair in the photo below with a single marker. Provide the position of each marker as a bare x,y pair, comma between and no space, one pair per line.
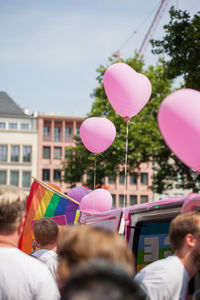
12,208
82,243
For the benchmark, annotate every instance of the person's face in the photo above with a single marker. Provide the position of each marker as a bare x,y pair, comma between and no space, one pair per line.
196,252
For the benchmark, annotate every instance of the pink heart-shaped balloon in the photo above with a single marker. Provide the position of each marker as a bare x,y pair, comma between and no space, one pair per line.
97,134
179,123
99,200
127,90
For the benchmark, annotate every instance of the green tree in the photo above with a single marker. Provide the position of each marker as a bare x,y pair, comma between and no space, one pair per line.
180,45
181,58
144,139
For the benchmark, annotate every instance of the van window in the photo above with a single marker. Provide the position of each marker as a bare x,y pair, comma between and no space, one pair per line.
153,243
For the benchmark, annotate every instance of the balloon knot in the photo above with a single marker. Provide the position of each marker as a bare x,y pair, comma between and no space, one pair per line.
126,119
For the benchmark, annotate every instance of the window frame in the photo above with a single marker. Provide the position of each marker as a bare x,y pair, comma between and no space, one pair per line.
25,154
44,156
13,154
6,152
11,173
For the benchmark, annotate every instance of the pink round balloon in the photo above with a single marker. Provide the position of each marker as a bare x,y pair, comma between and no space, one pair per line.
78,192
179,123
97,134
127,90
99,200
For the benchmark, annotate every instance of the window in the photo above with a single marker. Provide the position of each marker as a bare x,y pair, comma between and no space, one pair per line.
56,175
144,178
133,199
89,175
81,178
45,174
113,200
46,152
26,179
12,126
111,179
133,178
2,125
68,153
14,178
143,199
24,126
3,177
46,131
68,131
3,153
78,131
121,200
57,152
26,153
14,153
57,133
121,178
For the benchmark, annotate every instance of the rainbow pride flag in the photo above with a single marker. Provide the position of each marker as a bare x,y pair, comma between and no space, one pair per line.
45,201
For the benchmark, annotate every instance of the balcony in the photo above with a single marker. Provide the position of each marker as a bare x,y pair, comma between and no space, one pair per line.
46,138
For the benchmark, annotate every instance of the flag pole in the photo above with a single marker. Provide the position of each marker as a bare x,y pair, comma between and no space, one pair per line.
55,191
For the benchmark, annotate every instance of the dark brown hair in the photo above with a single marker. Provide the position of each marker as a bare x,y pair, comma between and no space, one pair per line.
101,280
45,231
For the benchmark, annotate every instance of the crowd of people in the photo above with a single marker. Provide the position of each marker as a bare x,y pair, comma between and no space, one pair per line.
83,262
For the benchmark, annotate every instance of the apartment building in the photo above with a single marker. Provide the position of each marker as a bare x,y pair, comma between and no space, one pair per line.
31,146
138,188
54,134
18,144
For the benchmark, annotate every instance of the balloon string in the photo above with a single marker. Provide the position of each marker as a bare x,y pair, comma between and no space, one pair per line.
125,173
95,169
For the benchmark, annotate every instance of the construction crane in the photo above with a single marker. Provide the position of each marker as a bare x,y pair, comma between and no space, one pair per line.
150,32
153,26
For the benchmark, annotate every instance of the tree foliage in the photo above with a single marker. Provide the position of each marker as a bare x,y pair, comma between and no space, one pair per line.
181,58
181,45
144,138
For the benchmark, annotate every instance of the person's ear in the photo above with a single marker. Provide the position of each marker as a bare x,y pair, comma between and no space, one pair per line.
190,240
20,228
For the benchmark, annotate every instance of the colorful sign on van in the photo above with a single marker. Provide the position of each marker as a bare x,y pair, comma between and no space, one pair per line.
153,243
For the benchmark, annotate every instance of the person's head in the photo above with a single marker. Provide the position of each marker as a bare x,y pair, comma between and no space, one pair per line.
12,209
46,231
185,240
181,226
100,280
82,243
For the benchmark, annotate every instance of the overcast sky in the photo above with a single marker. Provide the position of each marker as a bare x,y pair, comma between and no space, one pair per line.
50,49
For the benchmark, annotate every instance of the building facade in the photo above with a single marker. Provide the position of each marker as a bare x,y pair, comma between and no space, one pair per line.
138,186
18,144
35,147
57,132
54,134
